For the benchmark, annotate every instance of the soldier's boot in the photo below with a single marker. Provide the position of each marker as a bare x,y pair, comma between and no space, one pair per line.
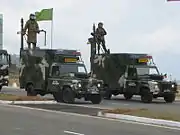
104,47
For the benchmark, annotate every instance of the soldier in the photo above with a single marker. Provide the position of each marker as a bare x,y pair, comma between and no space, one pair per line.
33,29
100,33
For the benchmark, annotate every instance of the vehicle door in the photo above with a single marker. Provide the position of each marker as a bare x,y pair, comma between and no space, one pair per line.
54,80
132,80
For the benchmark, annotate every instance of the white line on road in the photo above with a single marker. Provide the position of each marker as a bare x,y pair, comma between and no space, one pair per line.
73,133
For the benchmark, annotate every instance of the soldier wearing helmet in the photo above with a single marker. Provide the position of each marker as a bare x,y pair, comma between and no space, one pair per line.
100,33
33,28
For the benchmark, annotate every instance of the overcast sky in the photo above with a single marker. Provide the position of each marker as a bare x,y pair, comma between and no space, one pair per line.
150,26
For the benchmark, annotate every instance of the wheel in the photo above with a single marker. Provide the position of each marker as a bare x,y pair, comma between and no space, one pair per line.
128,96
68,95
107,94
146,97
0,88
58,96
96,99
30,90
170,98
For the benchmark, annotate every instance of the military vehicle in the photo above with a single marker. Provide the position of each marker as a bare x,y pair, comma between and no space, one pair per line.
130,74
58,72
5,62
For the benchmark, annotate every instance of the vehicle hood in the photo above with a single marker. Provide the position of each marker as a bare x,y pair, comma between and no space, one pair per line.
80,77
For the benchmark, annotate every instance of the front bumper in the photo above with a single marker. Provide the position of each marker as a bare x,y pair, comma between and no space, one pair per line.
87,91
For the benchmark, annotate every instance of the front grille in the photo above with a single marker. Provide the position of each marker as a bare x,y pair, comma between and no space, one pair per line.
165,86
84,84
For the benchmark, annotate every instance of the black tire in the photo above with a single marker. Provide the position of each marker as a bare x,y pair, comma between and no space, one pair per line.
0,88
170,98
128,96
58,96
30,90
68,95
107,94
146,96
96,99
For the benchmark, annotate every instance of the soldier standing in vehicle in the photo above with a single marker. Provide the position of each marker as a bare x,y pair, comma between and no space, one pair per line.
33,28
100,33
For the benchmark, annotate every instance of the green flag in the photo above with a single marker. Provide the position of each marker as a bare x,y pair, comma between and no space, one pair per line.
44,15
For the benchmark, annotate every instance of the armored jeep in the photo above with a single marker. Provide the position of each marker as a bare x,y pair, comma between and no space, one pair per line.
60,73
132,74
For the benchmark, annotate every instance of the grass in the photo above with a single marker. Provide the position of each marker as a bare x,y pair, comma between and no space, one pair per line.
143,112
10,97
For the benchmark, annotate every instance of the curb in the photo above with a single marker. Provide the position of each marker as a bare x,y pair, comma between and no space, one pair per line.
27,102
143,120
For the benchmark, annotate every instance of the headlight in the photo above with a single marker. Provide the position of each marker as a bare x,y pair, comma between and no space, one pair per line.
79,85
156,87
99,85
172,85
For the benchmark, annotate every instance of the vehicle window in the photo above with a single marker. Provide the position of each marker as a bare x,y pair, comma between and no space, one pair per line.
132,71
55,71
147,71
72,68
81,69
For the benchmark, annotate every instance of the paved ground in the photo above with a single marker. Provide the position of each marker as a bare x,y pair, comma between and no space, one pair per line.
117,102
18,121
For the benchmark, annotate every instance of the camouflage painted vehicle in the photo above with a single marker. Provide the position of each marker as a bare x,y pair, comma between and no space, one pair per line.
130,74
5,62
60,73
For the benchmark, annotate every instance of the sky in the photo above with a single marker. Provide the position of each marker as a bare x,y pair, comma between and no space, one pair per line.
136,26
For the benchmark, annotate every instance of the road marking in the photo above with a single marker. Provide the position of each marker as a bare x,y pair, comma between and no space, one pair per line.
73,133
119,103
88,116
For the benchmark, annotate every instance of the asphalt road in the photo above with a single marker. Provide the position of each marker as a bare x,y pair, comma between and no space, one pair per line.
18,121
117,102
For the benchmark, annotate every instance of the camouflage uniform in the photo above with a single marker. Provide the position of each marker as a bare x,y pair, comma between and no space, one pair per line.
100,33
33,29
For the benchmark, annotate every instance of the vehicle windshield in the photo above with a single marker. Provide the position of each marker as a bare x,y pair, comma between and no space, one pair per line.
3,58
68,68
147,71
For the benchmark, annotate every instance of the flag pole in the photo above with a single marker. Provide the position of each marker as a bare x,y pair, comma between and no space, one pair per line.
52,30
